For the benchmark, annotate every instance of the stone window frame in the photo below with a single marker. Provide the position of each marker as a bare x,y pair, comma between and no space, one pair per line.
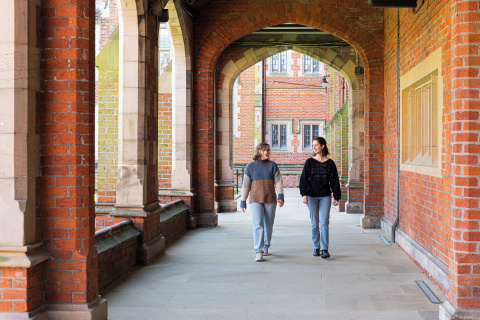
312,60
310,122
279,71
310,72
289,133
421,106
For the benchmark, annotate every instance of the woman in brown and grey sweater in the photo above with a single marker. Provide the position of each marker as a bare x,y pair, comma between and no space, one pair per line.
260,180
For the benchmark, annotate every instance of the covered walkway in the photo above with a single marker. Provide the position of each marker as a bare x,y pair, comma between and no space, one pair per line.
211,274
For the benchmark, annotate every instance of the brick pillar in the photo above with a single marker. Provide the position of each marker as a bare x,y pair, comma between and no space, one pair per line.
203,140
464,273
373,147
67,215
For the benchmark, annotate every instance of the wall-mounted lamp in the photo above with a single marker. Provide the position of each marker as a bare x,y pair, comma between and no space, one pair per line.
324,80
156,9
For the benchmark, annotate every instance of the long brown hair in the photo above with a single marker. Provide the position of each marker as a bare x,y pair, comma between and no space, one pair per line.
321,141
261,146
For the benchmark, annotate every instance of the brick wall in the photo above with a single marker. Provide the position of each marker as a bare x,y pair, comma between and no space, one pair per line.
21,289
165,140
107,162
425,206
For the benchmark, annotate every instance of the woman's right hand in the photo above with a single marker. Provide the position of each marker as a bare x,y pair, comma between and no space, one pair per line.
305,199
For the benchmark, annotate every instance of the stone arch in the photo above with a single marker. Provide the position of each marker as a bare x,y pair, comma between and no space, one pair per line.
233,69
326,19
180,27
131,189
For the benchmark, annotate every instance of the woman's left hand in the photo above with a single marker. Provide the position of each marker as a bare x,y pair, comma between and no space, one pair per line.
335,202
280,203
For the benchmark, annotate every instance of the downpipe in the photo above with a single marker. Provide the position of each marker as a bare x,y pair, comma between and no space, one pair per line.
397,173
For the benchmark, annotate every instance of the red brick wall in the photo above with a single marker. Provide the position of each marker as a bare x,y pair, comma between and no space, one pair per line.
116,261
243,146
425,201
21,289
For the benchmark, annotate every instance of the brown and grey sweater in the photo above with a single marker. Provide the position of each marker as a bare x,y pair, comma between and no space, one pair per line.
260,180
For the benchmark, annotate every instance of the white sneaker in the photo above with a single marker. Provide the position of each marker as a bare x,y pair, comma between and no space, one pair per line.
265,252
259,257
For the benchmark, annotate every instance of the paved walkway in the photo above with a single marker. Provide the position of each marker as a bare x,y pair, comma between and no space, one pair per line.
211,274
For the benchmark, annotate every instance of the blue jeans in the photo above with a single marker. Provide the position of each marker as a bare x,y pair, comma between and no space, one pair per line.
263,215
319,207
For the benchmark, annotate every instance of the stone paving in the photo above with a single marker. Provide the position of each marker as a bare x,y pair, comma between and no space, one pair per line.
210,273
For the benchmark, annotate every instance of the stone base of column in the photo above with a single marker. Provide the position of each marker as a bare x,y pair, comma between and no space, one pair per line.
370,222
207,219
353,207
226,206
148,252
37,314
449,312
192,221
95,310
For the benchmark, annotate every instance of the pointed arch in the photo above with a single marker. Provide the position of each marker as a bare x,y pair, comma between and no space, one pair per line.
326,19
224,122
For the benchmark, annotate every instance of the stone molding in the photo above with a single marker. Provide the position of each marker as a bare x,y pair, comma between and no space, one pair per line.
137,211
175,192
437,269
22,256
448,312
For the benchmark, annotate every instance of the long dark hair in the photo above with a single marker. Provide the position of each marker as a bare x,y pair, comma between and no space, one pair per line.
261,146
321,141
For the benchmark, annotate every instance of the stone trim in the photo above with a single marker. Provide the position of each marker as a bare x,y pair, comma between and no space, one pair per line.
437,269
22,256
95,310
449,312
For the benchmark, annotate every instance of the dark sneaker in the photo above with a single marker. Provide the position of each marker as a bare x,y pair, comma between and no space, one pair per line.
325,254
316,252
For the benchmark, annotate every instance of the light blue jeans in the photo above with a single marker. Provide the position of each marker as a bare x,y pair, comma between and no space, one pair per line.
319,208
263,215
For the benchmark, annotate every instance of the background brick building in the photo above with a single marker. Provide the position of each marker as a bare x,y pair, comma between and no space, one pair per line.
283,101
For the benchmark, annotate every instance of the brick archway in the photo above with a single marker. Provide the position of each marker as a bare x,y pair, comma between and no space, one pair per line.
224,148
327,18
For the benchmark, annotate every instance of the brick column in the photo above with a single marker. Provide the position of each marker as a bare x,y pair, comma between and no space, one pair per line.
67,160
464,274
373,144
